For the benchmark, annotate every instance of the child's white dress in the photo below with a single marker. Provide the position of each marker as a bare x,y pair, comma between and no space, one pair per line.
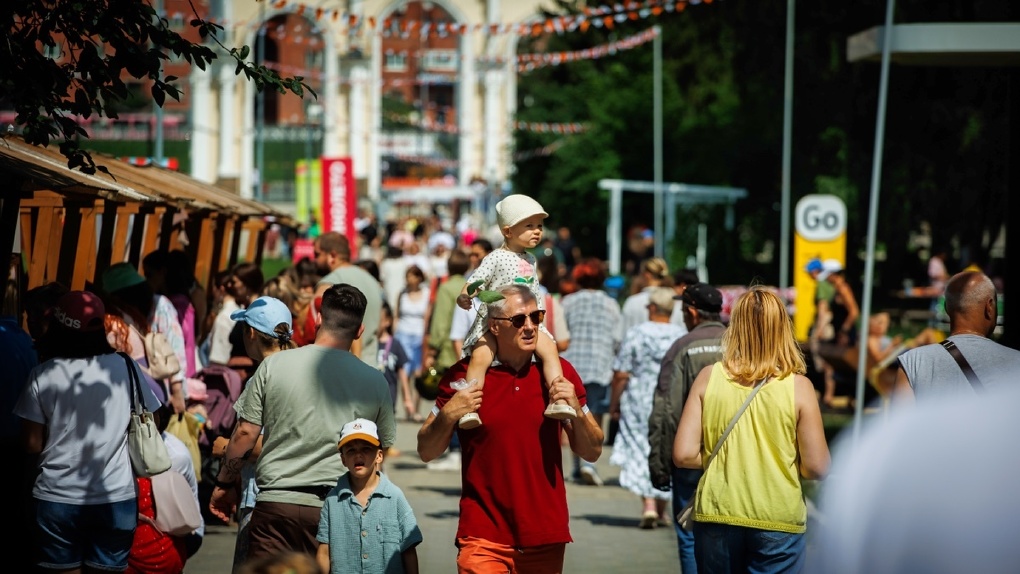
500,268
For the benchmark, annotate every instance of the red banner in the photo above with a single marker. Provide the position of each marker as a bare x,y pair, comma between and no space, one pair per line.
339,201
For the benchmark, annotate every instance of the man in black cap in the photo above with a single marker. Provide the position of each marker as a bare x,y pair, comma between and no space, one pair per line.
699,348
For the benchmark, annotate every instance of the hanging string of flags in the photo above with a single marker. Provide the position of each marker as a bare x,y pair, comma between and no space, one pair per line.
540,152
534,127
525,62
605,16
454,164
529,62
550,128
430,161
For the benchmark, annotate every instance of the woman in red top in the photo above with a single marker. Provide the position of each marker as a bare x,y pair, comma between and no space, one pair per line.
153,551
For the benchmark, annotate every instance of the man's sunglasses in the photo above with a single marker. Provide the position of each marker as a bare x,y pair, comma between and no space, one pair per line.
518,320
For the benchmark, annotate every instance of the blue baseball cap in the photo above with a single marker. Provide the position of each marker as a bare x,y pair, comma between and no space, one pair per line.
814,265
264,314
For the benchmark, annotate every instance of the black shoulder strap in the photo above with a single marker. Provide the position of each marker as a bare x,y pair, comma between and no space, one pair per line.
964,365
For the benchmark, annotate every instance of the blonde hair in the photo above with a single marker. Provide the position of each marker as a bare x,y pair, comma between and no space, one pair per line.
657,268
759,342
283,288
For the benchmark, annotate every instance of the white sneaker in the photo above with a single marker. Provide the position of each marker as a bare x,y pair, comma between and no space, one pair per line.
450,462
590,476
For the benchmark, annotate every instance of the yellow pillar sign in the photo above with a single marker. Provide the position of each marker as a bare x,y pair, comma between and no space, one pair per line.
820,232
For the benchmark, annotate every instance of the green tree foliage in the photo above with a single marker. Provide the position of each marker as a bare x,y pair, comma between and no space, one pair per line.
103,41
945,156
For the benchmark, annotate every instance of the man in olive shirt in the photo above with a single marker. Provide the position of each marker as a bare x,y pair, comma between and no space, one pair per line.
699,348
297,397
441,352
333,256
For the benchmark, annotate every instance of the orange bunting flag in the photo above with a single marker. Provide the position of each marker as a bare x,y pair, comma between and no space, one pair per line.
371,22
608,21
280,4
585,24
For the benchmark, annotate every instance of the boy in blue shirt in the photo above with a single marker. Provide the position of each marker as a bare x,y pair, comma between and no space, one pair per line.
366,525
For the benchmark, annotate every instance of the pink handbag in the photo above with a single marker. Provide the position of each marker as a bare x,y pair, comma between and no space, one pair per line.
177,512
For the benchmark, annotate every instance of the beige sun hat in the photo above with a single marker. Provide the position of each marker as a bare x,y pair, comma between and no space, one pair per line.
662,297
515,208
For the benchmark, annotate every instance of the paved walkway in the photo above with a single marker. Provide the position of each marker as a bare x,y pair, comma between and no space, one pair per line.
603,522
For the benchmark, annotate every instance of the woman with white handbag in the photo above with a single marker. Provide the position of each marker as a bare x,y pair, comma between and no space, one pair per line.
76,409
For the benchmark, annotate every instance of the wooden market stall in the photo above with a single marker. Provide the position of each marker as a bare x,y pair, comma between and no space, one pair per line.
73,226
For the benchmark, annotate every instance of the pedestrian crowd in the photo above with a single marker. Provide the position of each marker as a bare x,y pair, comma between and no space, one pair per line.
277,401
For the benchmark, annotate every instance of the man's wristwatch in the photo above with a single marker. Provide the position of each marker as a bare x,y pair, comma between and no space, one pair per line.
224,485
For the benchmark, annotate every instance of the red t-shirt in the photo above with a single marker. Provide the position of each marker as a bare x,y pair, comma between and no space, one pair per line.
512,471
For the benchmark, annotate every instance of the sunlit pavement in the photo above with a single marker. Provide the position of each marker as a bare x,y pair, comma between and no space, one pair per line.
603,521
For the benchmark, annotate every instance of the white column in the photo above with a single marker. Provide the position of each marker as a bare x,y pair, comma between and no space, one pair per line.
375,126
466,107
510,111
246,178
494,131
330,97
202,128
228,135
359,118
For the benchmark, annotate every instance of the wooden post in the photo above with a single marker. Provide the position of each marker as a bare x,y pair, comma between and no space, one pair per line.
206,242
153,224
139,233
235,243
216,257
85,249
167,235
53,242
26,231
254,228
125,214
67,249
40,235
193,229
9,221
104,251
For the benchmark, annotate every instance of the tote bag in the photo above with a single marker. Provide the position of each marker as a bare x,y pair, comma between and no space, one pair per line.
146,448
177,512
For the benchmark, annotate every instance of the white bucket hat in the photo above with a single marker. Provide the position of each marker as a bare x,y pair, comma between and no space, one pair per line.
515,208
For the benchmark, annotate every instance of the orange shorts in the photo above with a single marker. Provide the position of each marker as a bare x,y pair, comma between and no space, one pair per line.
479,556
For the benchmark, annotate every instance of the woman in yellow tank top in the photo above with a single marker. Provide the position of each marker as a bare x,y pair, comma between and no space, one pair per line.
749,509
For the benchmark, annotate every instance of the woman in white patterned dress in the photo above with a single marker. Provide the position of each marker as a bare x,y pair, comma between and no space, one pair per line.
636,374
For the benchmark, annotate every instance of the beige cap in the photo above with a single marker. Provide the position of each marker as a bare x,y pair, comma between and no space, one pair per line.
359,429
662,297
515,208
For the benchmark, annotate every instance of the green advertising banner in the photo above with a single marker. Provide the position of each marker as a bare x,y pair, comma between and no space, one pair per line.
308,190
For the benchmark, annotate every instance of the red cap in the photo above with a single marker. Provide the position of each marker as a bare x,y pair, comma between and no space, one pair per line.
80,311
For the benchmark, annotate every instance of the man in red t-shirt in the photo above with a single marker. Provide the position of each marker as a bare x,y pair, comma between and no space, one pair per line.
513,506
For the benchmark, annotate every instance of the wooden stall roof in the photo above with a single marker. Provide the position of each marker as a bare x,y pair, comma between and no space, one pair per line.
42,168
46,168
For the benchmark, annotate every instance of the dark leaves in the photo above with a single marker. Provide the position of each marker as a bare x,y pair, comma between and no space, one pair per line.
100,43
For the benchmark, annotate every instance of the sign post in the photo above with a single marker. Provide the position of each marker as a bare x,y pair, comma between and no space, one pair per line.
820,231
339,201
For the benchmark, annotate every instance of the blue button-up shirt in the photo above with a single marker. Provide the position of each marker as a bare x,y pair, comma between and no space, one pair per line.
368,539
596,328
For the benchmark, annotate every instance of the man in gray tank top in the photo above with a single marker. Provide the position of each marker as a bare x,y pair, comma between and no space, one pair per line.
931,370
